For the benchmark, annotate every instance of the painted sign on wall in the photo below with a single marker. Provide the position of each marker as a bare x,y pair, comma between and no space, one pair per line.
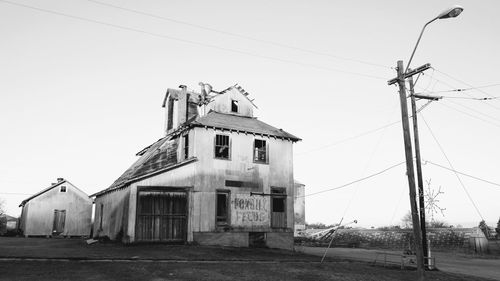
248,211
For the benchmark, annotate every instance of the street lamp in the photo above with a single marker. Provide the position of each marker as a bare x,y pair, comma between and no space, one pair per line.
448,13
400,79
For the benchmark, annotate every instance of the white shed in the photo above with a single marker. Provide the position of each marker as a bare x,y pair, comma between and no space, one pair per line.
59,210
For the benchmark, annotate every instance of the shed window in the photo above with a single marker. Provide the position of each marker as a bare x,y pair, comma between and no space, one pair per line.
260,151
222,202
234,106
222,146
63,188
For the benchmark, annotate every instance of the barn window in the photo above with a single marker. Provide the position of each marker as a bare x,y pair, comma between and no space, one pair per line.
63,188
259,151
170,111
234,106
222,146
222,203
185,140
100,216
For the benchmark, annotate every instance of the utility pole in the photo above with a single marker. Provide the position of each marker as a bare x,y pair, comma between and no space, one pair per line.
421,202
409,170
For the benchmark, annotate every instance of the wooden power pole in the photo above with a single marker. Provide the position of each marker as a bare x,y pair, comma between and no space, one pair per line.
421,201
410,171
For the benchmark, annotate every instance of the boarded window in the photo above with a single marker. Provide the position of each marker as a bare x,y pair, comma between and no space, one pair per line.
63,188
222,213
222,146
185,139
260,151
234,106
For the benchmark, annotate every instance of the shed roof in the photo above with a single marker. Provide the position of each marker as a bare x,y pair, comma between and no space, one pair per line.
48,189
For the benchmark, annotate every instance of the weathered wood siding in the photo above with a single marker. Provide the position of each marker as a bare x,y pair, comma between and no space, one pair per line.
211,174
222,103
38,213
114,214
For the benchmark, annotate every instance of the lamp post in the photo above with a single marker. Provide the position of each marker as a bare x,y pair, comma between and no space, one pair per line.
400,79
449,13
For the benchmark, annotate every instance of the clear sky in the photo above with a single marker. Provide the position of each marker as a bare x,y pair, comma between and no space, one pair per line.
81,87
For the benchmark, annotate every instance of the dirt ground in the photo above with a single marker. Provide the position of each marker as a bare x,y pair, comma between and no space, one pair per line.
73,259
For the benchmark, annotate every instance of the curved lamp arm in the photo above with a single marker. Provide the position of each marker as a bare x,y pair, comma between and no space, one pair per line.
449,13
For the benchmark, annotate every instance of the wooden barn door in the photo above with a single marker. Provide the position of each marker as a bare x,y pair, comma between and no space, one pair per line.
161,216
59,221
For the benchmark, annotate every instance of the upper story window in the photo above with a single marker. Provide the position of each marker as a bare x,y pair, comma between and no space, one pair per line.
234,106
185,148
260,151
222,147
63,189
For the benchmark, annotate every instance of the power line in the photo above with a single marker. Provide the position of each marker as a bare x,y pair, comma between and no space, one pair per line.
461,173
353,182
467,89
274,43
451,165
464,98
468,114
359,135
476,111
14,193
194,42
349,138
469,85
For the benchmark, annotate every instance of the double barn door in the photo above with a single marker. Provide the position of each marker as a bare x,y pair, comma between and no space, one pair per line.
161,216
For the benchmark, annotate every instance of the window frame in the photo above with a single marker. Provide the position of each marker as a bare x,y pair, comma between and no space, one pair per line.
62,188
228,146
255,151
227,221
185,146
101,215
235,104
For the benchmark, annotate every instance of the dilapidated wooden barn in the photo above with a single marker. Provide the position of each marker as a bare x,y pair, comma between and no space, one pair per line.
59,210
219,176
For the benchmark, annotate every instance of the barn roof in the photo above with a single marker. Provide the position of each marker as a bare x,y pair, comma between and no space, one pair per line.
161,156
241,124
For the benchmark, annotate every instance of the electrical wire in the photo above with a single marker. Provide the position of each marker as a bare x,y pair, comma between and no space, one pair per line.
136,30
451,165
470,115
349,138
274,43
461,173
476,111
353,182
358,135
14,193
469,85
468,89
